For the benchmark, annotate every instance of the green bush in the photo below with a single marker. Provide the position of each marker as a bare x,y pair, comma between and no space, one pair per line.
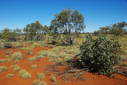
3,68
37,82
17,56
34,66
43,83
40,76
15,67
100,55
24,74
4,60
32,58
53,78
9,75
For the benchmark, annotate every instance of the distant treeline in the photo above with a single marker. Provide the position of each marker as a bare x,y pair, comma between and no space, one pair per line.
69,23
117,29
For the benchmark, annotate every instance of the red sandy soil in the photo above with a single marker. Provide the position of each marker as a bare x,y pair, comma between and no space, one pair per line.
44,65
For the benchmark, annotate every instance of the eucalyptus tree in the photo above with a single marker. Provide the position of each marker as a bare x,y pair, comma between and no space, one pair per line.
68,22
118,28
8,35
33,31
105,30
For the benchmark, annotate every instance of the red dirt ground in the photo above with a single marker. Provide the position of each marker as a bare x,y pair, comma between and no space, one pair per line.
43,64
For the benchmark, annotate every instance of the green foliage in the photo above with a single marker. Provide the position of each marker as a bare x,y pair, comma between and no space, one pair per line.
53,78
17,56
43,83
29,49
37,82
116,29
2,43
4,60
8,35
100,55
24,74
68,22
40,76
9,75
32,58
15,67
3,68
35,31
34,66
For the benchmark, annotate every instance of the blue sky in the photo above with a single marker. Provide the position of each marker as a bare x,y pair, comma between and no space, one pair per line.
97,13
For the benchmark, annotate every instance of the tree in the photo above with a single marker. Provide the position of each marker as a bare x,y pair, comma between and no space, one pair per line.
33,31
118,28
8,35
68,22
105,30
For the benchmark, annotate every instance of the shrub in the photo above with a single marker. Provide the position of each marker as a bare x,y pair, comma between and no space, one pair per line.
37,82
2,43
100,55
43,83
32,58
24,74
9,75
4,60
34,66
29,49
3,68
15,67
35,45
53,78
16,56
40,76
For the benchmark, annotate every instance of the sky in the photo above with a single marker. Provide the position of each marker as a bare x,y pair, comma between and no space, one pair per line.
97,13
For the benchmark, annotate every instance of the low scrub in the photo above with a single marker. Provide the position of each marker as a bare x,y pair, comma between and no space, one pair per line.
32,58
24,74
40,76
4,60
38,82
8,45
9,75
100,55
3,68
29,49
17,56
53,78
60,53
15,67
34,66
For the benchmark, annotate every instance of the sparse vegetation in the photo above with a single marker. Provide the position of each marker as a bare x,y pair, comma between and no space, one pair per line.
53,78
4,60
34,66
3,68
15,67
9,75
24,74
60,53
38,82
40,76
17,56
32,58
